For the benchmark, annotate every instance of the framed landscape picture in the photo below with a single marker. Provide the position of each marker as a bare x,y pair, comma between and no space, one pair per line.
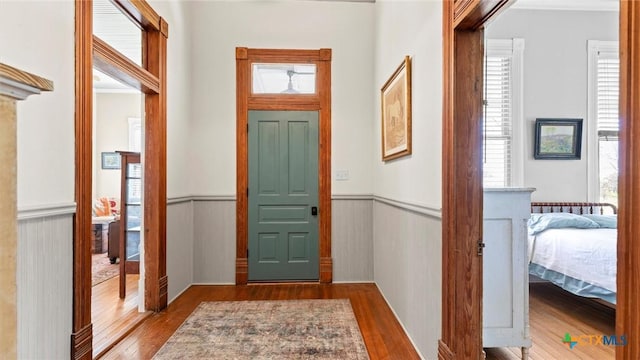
558,139
110,160
396,113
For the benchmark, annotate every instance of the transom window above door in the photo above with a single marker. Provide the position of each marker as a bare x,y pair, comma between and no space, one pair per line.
283,78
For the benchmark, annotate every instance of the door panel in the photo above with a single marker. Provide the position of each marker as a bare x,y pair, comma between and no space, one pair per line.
283,187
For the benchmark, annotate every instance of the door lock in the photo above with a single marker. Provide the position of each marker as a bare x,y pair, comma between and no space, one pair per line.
314,210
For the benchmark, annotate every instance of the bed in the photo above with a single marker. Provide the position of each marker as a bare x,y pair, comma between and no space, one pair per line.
574,246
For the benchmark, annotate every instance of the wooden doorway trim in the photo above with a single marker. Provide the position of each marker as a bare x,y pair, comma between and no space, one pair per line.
462,195
627,309
321,102
151,80
463,22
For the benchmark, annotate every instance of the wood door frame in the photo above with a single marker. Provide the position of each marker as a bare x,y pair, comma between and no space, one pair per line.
463,23
150,79
321,102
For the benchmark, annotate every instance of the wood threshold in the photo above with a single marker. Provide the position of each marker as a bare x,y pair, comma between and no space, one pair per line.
114,318
382,333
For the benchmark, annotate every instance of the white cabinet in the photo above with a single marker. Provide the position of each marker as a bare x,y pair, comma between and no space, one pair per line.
505,277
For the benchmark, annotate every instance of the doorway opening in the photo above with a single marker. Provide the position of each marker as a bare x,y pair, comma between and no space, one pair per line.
145,72
463,27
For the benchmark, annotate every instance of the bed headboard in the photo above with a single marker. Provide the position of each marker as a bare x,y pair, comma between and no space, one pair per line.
574,207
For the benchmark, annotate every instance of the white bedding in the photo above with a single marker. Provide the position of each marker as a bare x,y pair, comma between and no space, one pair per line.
584,254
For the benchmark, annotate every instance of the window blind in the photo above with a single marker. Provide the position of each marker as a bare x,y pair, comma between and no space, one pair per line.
608,73
497,131
607,97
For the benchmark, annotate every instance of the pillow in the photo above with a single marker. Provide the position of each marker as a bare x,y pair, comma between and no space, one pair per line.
99,208
541,222
604,221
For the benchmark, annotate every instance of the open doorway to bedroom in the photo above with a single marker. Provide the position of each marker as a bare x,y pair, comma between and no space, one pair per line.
464,25
536,75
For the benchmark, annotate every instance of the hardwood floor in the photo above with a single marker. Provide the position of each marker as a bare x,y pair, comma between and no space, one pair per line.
553,313
112,317
382,334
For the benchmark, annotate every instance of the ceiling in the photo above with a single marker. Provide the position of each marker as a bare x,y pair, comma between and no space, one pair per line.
118,31
588,5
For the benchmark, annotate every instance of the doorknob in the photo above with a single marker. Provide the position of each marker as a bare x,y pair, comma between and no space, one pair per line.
314,210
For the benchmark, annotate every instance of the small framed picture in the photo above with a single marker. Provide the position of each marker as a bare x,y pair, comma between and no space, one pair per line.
110,160
396,113
558,139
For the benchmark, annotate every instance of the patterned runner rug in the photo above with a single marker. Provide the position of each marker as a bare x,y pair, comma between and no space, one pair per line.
102,269
288,329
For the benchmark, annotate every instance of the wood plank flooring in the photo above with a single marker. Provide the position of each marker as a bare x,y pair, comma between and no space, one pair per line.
113,318
382,334
553,312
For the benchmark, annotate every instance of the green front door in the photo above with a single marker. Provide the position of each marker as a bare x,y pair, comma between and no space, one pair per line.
283,195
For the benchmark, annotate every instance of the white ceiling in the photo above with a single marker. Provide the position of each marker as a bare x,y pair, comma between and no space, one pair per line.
589,5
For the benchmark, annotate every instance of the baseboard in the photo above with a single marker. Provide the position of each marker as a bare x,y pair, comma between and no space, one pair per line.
214,284
400,322
354,282
179,294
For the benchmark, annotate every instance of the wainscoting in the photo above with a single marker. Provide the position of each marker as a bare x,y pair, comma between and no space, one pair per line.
214,239
352,238
179,246
44,282
407,248
214,250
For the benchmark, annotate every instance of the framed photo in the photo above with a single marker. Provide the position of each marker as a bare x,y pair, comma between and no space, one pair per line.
396,113
110,160
558,139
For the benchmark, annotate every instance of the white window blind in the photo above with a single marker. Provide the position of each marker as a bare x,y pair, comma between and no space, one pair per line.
498,130
607,95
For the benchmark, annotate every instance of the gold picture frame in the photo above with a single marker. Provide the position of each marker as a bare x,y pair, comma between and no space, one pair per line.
396,113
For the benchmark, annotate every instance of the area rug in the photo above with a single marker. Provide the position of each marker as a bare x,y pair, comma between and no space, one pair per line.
288,329
102,269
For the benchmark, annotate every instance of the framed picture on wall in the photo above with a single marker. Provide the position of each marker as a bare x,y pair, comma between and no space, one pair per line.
396,113
110,160
558,139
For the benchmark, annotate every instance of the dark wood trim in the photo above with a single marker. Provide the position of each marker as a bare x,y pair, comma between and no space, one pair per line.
155,178
462,176
321,102
82,343
141,13
82,336
474,14
324,181
111,62
154,59
627,314
242,170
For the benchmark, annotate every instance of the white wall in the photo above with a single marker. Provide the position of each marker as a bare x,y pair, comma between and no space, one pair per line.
45,122
179,94
555,86
407,244
218,27
411,28
112,112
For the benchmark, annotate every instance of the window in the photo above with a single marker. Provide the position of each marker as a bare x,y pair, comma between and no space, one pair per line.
603,94
503,151
135,134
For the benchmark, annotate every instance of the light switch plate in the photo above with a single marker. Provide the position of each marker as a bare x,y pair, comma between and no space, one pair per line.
342,175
